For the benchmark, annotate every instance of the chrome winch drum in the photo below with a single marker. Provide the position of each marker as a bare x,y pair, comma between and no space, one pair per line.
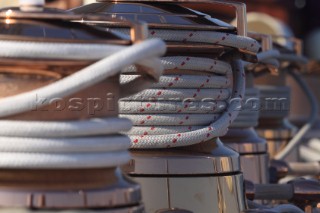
299,113
178,173
274,125
253,152
56,158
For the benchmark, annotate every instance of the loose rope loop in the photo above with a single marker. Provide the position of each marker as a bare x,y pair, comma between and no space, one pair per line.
95,143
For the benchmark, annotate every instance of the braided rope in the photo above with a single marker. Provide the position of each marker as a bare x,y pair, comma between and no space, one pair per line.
170,123
209,37
186,109
64,144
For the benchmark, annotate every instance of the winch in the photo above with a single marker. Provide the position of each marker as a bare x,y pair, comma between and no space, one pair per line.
299,113
61,145
274,125
177,156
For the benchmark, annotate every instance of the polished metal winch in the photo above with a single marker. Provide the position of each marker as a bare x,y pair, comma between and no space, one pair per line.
275,126
175,168
61,146
273,123
299,113
276,96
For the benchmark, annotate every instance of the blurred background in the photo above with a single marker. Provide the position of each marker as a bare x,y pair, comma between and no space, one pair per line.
302,16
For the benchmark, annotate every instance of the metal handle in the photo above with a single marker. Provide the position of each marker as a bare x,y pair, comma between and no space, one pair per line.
240,8
139,33
241,14
266,45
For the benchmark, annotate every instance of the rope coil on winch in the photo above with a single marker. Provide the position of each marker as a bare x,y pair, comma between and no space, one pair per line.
191,103
64,144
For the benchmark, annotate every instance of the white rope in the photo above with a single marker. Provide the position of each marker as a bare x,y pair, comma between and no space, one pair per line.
187,108
210,37
85,78
309,154
70,144
53,129
293,58
31,50
165,123
314,144
266,57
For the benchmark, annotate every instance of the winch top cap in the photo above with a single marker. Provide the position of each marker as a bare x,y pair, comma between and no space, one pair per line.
159,15
53,25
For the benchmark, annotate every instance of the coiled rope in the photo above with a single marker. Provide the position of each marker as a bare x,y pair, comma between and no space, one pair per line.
70,144
194,105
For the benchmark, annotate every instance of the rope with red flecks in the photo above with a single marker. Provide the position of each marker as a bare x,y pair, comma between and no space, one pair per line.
184,109
199,36
187,108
